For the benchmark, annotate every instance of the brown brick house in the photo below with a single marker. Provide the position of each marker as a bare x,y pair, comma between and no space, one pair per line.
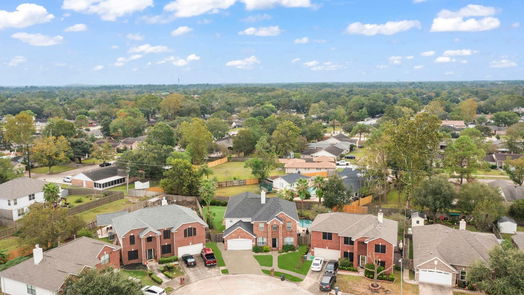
162,231
251,219
357,237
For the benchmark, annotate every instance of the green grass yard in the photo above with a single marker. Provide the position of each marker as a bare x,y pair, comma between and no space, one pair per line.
236,170
288,277
295,261
54,169
235,190
218,218
9,244
141,275
264,260
218,254
75,200
117,205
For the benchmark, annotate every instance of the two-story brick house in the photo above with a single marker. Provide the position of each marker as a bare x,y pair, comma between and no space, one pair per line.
162,231
361,238
252,219
17,195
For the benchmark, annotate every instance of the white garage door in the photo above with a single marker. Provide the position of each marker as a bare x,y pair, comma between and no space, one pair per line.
327,254
192,249
239,244
435,277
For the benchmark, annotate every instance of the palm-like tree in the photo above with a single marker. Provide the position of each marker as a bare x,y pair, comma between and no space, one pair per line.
204,170
318,184
51,193
302,188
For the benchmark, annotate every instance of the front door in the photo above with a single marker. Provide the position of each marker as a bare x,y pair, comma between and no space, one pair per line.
150,254
274,243
362,261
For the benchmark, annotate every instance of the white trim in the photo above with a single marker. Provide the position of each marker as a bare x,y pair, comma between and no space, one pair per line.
241,229
451,267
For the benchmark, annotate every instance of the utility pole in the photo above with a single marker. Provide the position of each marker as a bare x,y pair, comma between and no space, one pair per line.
127,179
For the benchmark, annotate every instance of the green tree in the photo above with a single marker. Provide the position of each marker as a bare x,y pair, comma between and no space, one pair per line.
463,156
4,256
197,139
318,185
129,122
51,151
80,147
103,152
515,170
7,171
51,193
204,170
435,194
147,161
287,194
265,159
436,108
181,179
217,127
468,109
501,275
48,226
149,105
516,210
302,188
245,141
59,127
285,138
94,282
19,130
162,134
171,105
360,129
81,121
482,202
206,191
515,138
335,194
313,131
505,118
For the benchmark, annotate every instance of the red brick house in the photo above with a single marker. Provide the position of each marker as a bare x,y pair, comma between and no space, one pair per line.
251,219
357,237
162,231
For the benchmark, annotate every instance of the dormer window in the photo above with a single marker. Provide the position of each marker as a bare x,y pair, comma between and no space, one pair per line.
31,197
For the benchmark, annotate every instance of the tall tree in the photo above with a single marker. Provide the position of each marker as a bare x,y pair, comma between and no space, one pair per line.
81,121
7,171
435,194
265,159
318,185
149,105
129,122
19,130
181,179
171,105
360,129
302,188
197,139
94,282
51,151
103,152
206,191
335,194
59,127
217,127
468,109
285,138
436,108
515,138
80,147
516,210
245,141
463,156
482,202
162,134
515,170
51,193
505,118
147,161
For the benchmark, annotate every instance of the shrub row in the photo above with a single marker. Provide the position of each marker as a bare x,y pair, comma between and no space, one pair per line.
345,264
288,248
260,249
383,277
164,260
214,203
155,278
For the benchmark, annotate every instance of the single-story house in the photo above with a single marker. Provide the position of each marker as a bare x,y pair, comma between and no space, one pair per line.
303,166
507,225
508,190
518,240
104,224
417,219
46,273
454,124
287,181
252,219
17,195
131,143
353,180
442,255
361,238
99,178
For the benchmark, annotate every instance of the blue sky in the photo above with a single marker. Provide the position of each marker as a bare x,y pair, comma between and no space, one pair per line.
64,42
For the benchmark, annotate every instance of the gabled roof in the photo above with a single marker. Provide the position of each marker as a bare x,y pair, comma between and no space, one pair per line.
248,205
159,217
356,226
510,191
101,173
58,264
20,187
351,179
506,219
334,150
132,140
293,177
106,219
518,239
453,246
246,226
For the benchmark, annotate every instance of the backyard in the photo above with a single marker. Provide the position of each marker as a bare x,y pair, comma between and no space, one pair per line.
235,190
117,205
218,218
54,170
360,285
236,170
75,200
294,261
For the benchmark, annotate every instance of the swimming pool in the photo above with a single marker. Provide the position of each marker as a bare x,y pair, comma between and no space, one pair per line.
304,223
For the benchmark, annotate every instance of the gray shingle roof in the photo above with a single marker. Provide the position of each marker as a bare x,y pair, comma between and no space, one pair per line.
58,264
356,226
293,177
510,191
332,149
247,205
20,187
106,219
247,226
159,217
518,239
453,246
351,179
102,173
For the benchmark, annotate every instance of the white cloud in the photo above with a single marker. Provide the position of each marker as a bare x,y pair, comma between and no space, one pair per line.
295,60
444,59
148,48
515,25
15,61
115,46
181,31
381,67
98,68
180,62
428,53
189,8
389,28
243,64
25,15
303,40
257,18
157,19
311,63
108,10
76,28
326,66
502,63
396,60
418,67
471,18
419,1
135,37
38,39
409,57
459,52
262,31
121,61
450,73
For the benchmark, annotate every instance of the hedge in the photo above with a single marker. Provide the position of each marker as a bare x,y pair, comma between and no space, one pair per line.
156,279
259,249
345,264
170,259
288,248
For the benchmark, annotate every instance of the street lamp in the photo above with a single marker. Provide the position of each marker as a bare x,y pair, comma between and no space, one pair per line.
401,276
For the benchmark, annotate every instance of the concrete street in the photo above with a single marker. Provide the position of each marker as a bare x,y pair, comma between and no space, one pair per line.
57,178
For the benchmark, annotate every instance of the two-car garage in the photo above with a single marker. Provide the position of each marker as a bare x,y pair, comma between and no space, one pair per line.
191,249
239,244
433,276
327,254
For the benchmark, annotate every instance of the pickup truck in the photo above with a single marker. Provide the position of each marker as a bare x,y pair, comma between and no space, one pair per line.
208,257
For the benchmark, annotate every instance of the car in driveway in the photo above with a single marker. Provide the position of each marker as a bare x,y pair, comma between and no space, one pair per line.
208,257
105,164
317,264
189,260
327,282
332,267
67,179
153,290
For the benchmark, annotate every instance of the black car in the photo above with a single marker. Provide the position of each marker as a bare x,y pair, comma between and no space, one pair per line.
105,164
327,282
332,267
189,260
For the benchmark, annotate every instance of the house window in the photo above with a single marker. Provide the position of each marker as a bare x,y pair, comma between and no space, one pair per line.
348,255
167,234
381,263
149,239
20,211
15,201
131,239
31,290
261,227
348,241
189,232
463,275
105,258
31,197
274,227
166,249
132,255
8,202
261,241
289,226
327,236
380,248
289,241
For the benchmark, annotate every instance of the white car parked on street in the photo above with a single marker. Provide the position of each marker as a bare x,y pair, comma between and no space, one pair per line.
317,264
153,290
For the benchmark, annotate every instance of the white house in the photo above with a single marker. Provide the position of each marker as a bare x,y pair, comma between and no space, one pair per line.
417,219
287,181
507,225
17,195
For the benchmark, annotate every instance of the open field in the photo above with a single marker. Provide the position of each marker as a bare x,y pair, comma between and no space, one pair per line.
236,170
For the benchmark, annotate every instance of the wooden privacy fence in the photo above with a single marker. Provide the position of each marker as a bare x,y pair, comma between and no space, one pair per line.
217,162
357,206
239,182
215,237
313,174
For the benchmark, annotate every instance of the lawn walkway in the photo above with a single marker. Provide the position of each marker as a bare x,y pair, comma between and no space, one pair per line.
277,269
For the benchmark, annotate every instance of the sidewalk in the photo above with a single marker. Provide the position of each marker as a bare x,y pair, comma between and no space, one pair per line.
276,268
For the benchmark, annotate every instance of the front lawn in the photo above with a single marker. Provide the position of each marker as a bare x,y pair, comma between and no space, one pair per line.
218,217
295,261
141,275
236,170
117,205
359,285
278,274
264,260
54,169
218,254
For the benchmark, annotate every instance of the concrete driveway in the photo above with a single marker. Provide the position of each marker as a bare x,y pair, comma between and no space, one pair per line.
312,280
57,178
200,271
240,261
247,284
430,289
